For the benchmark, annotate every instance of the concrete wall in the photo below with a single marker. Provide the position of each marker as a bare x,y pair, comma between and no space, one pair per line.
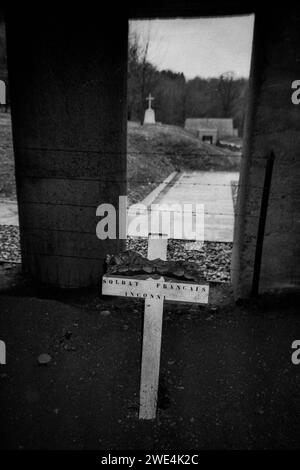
273,123
68,93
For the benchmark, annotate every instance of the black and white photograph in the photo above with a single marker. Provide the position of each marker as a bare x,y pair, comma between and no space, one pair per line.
149,231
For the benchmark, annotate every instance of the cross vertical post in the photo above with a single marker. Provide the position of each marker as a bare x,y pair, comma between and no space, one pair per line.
154,291
153,315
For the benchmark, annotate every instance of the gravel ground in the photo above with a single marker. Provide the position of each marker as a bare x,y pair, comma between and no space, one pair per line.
10,243
213,257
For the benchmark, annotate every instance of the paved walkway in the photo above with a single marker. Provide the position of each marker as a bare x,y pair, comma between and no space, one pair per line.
210,189
8,212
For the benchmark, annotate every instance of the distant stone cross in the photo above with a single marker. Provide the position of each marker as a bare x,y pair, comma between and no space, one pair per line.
154,292
149,99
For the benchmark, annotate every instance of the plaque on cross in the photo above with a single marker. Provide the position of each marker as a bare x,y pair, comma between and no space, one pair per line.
154,291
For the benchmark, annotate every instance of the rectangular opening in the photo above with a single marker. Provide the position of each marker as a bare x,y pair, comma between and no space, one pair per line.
187,99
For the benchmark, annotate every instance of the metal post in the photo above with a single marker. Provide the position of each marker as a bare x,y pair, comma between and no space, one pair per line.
262,223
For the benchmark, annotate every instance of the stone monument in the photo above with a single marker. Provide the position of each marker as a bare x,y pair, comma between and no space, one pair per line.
149,113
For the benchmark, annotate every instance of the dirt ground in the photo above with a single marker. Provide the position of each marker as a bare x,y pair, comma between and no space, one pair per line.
227,380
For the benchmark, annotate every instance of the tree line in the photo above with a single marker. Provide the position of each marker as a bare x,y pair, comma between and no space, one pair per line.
177,98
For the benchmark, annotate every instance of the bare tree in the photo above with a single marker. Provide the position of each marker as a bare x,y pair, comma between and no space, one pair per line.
227,93
140,71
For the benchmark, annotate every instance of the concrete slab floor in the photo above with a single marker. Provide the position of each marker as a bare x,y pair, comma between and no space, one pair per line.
9,212
210,188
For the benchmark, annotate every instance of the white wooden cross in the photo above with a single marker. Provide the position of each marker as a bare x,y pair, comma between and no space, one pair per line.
149,99
154,291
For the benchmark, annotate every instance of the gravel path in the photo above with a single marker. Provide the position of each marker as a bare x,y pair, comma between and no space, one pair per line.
10,243
213,257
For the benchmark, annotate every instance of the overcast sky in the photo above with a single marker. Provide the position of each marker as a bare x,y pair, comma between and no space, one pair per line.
205,47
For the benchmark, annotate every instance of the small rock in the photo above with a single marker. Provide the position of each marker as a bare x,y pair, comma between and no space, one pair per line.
44,359
105,313
69,348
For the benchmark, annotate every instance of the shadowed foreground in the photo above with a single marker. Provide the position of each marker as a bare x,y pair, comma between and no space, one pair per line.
227,377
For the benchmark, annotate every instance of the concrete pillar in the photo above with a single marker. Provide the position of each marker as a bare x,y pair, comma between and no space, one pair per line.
68,94
273,123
